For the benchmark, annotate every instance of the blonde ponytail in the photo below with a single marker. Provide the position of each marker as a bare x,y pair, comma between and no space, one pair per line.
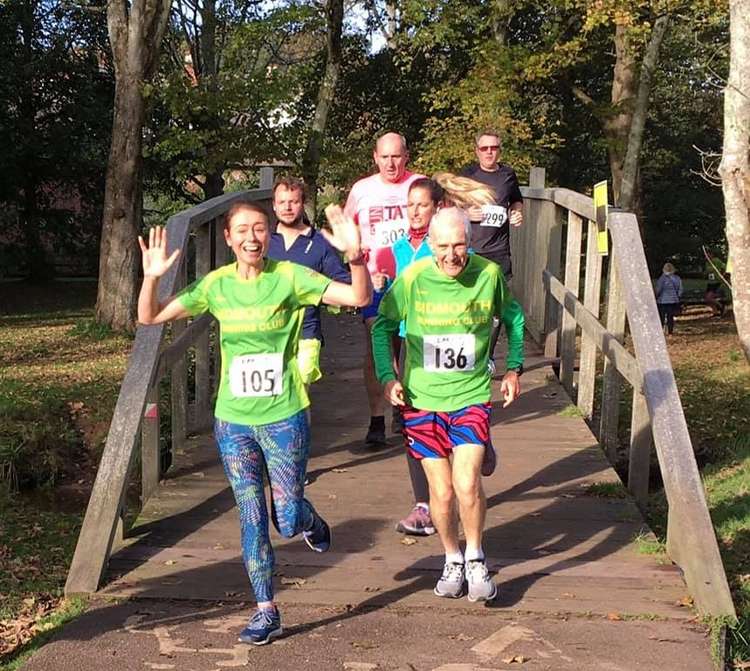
464,192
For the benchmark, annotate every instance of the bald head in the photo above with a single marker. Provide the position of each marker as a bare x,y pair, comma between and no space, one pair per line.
450,235
448,218
391,156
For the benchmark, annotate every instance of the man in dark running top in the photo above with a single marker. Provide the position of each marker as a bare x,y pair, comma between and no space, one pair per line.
490,224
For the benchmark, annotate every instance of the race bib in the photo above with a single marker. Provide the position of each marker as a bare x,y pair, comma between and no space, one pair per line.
494,215
451,352
256,375
388,232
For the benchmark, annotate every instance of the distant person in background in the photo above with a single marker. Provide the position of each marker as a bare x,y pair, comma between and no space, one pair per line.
668,296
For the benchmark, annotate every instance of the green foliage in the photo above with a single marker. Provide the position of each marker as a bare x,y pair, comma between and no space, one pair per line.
52,57
570,411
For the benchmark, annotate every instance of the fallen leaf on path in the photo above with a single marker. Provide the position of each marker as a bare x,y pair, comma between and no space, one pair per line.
231,594
461,637
338,470
170,562
516,659
364,646
614,616
406,540
685,602
296,582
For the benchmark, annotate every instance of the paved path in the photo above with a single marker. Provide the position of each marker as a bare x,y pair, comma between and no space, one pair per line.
574,593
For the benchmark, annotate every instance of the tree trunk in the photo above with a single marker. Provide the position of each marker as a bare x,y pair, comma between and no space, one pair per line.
617,124
135,31
311,157
501,16
735,168
629,187
118,254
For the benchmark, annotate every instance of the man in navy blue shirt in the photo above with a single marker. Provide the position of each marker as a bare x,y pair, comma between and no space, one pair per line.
295,240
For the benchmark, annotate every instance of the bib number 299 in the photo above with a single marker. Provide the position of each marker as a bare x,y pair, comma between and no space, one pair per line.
256,375
446,353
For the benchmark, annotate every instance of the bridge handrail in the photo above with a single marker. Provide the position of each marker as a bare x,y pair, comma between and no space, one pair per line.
150,360
657,416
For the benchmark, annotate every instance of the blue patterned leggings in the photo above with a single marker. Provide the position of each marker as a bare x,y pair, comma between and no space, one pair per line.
281,449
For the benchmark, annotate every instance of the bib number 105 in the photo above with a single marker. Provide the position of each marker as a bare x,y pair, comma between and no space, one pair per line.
256,375
446,353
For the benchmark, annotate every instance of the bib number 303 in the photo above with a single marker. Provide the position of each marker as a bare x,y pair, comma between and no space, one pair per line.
450,352
256,375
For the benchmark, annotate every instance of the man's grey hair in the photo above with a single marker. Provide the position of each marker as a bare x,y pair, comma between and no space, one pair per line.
454,212
404,146
488,131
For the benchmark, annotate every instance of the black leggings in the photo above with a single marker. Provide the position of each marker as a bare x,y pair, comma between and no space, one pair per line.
418,480
667,312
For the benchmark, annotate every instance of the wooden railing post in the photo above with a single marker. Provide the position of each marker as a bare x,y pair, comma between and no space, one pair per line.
691,540
591,298
202,357
611,379
150,461
572,280
266,177
639,460
178,381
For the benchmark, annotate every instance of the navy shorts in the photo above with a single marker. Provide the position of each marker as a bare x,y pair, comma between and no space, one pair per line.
371,310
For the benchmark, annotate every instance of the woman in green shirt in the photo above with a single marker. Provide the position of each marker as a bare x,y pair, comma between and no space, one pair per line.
261,423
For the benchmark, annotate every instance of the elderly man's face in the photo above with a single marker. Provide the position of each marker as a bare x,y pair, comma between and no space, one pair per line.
391,157
448,242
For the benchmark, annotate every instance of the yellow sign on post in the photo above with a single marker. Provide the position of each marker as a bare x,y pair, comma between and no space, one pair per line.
600,207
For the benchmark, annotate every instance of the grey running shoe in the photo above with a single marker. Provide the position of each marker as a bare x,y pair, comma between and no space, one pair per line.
451,583
481,586
417,523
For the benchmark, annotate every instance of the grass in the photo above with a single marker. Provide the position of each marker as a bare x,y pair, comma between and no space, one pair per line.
607,490
648,544
59,377
570,411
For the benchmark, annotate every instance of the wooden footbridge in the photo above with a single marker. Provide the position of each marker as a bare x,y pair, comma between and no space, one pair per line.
559,537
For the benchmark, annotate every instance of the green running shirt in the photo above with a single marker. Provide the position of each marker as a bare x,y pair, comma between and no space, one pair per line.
448,326
259,325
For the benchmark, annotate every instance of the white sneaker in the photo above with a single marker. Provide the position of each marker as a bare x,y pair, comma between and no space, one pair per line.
451,583
481,586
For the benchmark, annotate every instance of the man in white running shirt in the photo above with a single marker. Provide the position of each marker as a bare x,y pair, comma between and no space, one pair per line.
378,205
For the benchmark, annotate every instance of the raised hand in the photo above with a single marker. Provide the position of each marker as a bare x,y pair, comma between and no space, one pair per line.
155,259
345,236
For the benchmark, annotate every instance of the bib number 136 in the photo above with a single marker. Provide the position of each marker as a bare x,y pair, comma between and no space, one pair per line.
446,353
256,375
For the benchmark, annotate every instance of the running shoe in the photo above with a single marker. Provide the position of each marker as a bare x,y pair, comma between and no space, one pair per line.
417,523
489,461
481,585
318,538
262,627
451,583
375,438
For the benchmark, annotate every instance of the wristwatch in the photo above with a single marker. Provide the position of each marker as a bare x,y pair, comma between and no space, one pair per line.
518,370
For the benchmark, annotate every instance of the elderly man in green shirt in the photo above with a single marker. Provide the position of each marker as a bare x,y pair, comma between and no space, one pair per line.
448,302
